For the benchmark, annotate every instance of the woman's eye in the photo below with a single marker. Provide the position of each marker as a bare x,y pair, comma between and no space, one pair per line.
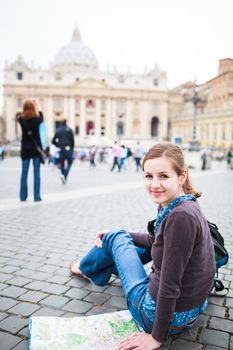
148,176
164,177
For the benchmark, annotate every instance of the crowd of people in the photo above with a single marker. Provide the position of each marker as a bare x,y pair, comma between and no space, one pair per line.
61,152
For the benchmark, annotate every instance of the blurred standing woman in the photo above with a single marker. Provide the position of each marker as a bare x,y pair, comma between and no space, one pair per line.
29,121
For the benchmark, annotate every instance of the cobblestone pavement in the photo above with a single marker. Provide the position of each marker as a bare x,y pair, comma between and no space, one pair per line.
38,241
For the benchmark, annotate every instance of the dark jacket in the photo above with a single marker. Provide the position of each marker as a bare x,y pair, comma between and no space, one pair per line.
28,149
64,138
183,263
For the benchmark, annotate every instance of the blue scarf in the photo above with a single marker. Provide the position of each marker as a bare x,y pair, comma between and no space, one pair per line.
165,211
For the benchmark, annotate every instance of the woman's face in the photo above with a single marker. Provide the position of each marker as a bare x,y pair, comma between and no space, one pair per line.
162,182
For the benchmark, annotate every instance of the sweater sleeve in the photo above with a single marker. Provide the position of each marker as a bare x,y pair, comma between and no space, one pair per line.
179,238
144,240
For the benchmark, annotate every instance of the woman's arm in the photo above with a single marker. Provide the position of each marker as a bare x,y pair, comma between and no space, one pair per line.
144,240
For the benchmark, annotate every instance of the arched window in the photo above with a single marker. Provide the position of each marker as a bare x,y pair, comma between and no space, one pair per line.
120,128
155,127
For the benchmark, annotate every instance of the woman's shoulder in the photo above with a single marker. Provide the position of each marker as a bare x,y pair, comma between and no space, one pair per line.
186,210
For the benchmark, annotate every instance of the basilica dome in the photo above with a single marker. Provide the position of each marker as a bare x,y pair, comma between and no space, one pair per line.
76,53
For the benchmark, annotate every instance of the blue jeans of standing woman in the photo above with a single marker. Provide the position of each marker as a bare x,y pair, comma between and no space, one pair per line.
24,179
119,254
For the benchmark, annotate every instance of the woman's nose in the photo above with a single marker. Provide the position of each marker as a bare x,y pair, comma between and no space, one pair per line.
155,182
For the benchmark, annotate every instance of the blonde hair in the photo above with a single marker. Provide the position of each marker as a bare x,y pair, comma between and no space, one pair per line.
174,154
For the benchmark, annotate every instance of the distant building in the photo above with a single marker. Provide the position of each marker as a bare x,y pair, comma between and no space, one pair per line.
99,106
214,117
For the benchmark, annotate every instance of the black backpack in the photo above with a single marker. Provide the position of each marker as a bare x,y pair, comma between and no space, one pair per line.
221,258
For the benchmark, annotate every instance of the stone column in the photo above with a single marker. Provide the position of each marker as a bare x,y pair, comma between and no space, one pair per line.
66,108
219,133
163,132
72,113
144,119
128,119
114,120
97,117
108,119
10,119
82,126
228,133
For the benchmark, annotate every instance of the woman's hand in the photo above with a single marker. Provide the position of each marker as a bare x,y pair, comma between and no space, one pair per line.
139,341
99,237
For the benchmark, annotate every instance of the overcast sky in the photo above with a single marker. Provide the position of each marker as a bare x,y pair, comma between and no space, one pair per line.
186,38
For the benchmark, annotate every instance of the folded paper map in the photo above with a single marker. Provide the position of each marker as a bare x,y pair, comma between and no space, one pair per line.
97,332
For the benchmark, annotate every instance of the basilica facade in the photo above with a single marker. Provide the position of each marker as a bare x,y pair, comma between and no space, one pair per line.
104,106
100,106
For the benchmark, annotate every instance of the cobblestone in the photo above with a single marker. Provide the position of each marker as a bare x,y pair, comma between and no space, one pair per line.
38,241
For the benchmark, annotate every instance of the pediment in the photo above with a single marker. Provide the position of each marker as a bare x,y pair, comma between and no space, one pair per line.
92,83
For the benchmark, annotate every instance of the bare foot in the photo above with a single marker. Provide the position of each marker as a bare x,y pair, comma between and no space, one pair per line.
75,270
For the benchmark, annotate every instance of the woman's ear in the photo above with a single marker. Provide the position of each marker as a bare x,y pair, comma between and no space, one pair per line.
183,176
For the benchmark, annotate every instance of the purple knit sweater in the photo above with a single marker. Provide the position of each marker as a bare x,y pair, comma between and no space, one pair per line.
183,263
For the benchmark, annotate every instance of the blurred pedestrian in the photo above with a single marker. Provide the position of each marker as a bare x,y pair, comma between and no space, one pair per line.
230,158
179,243
64,139
116,156
138,154
123,156
92,156
29,120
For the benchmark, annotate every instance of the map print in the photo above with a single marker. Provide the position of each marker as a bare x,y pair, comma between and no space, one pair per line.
97,332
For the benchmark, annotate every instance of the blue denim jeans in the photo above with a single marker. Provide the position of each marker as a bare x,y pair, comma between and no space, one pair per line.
24,177
120,255
66,160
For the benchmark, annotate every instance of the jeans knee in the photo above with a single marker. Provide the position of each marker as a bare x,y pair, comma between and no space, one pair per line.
117,236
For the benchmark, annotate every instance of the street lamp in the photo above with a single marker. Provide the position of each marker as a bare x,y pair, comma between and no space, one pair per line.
197,101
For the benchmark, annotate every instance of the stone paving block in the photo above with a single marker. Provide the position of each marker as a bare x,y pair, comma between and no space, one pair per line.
4,277
77,306
7,303
12,291
220,324
118,302
7,341
19,281
32,265
55,289
24,309
216,301
47,268
212,347
77,282
3,315
63,272
117,291
215,310
23,345
13,324
229,302
37,285
40,276
93,288
212,337
9,269
3,285
17,262
45,311
185,345
58,279
33,296
77,293
24,272
24,332
97,298
54,301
